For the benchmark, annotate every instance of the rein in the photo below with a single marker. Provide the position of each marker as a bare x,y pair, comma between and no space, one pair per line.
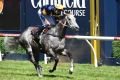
63,24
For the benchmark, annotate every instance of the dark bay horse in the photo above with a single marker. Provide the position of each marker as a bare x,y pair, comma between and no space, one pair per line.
53,42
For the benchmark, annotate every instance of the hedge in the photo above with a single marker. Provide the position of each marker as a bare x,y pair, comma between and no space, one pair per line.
2,48
116,49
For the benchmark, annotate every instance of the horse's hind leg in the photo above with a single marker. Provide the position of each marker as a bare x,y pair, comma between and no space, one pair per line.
38,68
34,61
55,57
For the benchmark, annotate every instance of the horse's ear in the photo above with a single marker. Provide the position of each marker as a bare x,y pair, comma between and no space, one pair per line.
64,14
67,12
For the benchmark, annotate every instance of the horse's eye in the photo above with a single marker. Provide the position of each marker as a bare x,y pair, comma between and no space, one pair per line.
69,19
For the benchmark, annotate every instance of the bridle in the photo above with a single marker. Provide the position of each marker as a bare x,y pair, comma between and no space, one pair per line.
65,22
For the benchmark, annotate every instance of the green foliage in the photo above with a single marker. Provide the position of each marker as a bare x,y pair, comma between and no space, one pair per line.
2,48
116,49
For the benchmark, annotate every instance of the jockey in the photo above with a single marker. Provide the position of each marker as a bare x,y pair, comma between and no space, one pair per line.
50,14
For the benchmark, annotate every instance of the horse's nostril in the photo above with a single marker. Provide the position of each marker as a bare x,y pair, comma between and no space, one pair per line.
77,28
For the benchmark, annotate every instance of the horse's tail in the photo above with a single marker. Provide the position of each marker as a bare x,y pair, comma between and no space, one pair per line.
11,43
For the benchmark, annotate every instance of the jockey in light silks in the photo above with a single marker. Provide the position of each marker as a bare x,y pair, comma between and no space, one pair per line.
50,14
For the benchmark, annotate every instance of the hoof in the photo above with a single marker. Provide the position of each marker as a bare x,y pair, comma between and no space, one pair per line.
40,76
50,71
70,72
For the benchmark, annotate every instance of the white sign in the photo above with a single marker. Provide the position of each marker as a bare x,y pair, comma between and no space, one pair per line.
76,7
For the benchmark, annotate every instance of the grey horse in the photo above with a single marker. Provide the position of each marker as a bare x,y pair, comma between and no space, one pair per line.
51,42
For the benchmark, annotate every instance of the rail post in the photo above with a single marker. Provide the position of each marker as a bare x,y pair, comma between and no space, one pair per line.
94,27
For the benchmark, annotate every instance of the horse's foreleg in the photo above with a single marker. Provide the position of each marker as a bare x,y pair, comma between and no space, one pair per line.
55,57
55,65
71,63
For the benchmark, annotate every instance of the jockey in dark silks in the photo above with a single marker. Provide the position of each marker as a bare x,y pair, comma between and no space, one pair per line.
50,14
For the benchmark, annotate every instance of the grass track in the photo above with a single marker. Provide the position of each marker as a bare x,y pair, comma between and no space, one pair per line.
24,70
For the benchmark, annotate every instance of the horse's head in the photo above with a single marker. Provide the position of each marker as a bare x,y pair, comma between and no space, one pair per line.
71,22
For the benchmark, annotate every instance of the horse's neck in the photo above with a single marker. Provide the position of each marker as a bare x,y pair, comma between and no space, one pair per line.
58,30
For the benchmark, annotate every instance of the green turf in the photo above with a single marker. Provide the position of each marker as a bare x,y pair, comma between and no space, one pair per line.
24,70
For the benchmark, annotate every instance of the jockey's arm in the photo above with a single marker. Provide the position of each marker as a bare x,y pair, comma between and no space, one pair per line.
41,14
47,22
